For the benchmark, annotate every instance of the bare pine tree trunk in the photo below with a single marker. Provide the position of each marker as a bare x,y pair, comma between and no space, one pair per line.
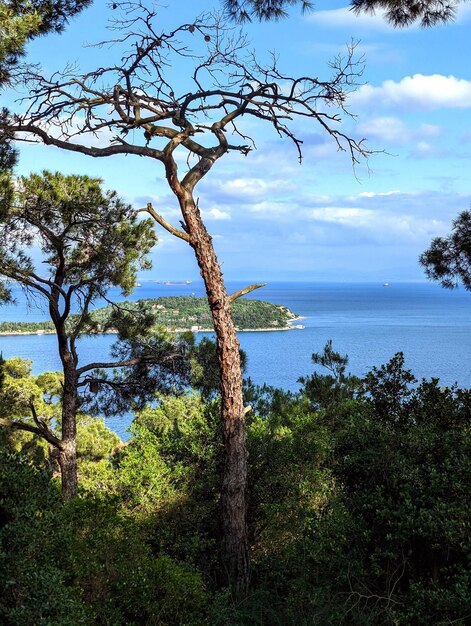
234,524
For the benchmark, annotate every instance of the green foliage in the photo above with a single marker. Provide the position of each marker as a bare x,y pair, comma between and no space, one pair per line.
94,440
22,20
388,388
245,10
404,477
448,260
8,159
20,390
179,312
90,241
189,312
398,12
2,371
122,579
89,237
85,562
287,449
405,13
358,511
151,362
327,391
205,367
33,588
92,232
166,475
170,467
18,328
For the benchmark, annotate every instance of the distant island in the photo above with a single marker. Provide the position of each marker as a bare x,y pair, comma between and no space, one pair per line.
180,313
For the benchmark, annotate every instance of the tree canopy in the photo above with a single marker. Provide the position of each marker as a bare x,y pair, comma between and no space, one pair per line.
22,20
407,12
90,240
397,12
448,259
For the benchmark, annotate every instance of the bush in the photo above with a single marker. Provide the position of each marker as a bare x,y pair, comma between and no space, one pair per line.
33,578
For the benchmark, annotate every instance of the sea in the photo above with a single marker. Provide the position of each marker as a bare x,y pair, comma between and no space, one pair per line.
369,322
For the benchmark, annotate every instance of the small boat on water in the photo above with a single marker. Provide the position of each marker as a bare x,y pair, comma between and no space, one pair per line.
385,284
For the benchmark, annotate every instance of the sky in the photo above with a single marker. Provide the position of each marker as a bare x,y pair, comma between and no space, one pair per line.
272,218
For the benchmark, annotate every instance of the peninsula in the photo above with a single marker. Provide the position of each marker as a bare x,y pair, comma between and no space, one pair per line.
179,313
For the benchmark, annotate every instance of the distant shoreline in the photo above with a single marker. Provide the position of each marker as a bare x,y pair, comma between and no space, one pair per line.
24,333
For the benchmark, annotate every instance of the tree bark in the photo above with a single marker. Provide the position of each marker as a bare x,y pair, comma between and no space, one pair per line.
234,546
68,446
67,458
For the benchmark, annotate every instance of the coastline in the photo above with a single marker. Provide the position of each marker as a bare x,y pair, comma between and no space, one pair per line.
23,333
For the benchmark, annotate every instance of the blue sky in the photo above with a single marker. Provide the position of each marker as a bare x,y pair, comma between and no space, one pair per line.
274,219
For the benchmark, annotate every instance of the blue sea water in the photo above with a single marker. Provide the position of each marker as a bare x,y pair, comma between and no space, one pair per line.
369,322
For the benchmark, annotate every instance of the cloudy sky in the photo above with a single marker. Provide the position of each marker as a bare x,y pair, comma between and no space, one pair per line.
275,219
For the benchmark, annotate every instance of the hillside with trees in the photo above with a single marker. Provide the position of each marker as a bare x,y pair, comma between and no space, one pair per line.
174,313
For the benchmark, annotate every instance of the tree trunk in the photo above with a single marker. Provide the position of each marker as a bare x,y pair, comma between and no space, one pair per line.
68,464
233,501
68,448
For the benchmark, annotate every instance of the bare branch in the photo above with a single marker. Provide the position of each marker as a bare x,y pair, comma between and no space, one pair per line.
244,291
49,140
163,222
41,430
229,84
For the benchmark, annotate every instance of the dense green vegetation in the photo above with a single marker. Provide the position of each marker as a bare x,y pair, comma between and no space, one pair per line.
17,328
176,312
358,509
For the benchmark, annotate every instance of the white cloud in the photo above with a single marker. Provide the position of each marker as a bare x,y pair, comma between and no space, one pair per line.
430,130
227,191
387,129
372,194
254,186
425,149
417,92
352,216
463,13
271,209
217,214
377,224
393,131
346,18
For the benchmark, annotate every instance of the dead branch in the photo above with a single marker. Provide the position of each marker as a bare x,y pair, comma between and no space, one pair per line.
227,85
41,430
244,291
163,222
